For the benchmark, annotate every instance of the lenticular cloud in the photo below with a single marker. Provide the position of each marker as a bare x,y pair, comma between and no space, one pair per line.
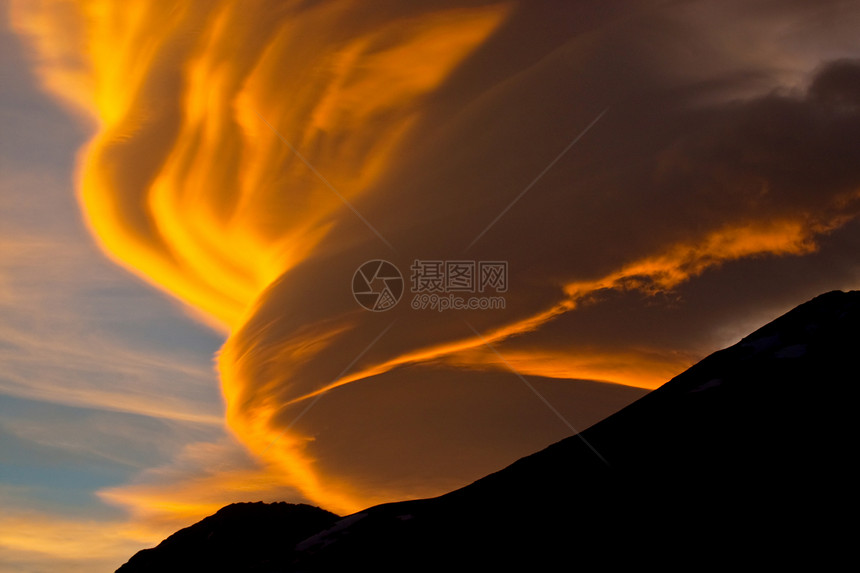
280,167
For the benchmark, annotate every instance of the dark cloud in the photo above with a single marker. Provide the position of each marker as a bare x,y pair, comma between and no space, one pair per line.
721,199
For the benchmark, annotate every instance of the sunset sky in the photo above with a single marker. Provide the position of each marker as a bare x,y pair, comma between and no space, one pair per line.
189,188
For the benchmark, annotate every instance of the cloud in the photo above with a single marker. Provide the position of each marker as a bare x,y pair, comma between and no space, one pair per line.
101,376
54,350
667,191
229,143
203,477
180,119
42,542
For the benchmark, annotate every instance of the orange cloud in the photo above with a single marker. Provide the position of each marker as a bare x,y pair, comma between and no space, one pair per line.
231,134
42,541
662,272
201,479
185,182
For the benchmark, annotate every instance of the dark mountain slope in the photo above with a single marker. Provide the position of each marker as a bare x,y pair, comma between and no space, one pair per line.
744,458
746,455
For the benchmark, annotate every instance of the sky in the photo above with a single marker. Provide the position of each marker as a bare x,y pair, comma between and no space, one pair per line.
574,202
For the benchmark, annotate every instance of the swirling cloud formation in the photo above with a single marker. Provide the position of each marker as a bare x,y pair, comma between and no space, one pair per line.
648,173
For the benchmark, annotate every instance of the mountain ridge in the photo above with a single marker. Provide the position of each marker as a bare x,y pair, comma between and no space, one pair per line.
747,451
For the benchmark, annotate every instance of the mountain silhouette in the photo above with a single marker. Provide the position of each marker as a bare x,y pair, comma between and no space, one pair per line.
743,459
246,537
